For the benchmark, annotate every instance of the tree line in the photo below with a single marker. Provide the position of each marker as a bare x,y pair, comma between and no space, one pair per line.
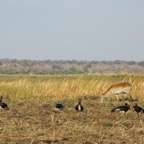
15,66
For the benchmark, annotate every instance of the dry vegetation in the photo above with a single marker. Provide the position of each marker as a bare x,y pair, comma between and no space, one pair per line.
32,118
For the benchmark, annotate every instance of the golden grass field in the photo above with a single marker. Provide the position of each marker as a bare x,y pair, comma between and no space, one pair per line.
32,118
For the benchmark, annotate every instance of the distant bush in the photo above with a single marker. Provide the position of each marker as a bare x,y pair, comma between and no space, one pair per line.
141,63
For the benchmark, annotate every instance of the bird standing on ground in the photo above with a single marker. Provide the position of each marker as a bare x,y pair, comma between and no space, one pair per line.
123,109
3,105
79,106
138,109
59,106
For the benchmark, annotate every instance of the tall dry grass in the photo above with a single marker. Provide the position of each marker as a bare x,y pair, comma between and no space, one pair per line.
63,86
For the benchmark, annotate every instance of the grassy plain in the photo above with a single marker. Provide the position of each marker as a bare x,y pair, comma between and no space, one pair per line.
32,118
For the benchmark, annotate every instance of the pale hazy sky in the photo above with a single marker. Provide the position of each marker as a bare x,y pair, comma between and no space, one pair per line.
72,29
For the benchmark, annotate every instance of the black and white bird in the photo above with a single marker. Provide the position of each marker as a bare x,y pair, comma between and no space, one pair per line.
59,106
79,107
3,105
122,109
138,109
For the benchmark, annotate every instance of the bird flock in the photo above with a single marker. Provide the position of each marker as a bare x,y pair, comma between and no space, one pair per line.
122,109
136,108
79,107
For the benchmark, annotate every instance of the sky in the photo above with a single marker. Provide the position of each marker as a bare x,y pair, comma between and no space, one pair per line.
72,29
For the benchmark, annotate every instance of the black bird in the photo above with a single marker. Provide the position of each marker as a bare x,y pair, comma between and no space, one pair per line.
79,106
123,109
59,106
138,109
3,105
